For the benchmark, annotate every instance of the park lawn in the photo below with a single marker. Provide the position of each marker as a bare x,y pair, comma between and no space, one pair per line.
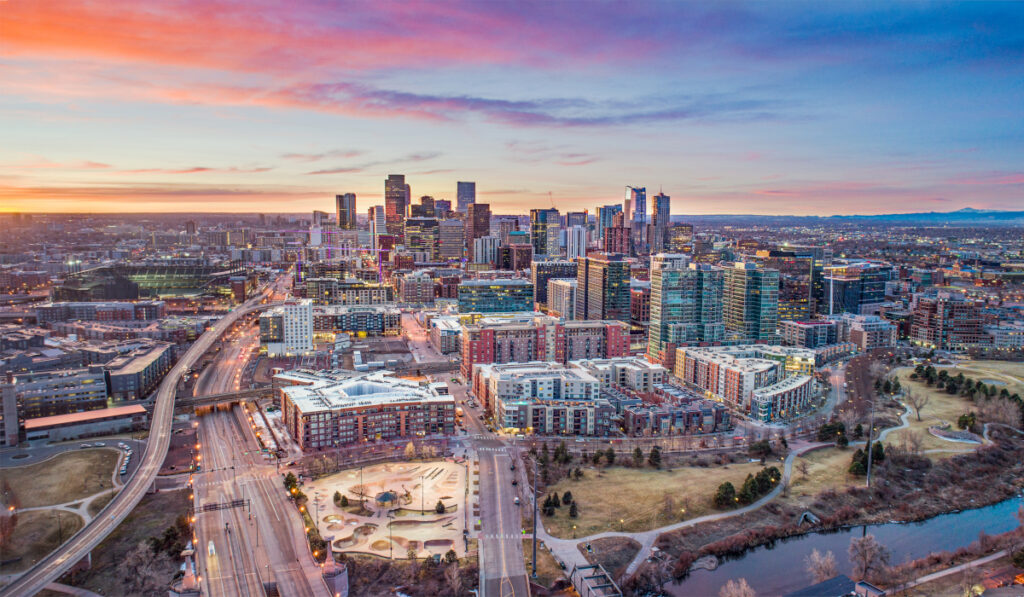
37,533
827,469
1012,374
67,477
941,409
155,512
99,503
637,497
548,570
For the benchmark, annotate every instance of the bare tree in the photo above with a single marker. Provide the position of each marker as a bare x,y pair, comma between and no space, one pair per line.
804,468
140,571
453,575
410,451
910,441
821,566
868,556
668,506
737,588
970,582
917,401
999,410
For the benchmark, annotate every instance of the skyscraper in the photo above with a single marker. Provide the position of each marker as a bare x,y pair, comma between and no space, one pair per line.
638,225
605,218
478,223
442,207
602,287
680,238
378,224
661,221
465,196
452,239
396,204
346,211
540,220
686,305
751,302
576,242
576,218
421,235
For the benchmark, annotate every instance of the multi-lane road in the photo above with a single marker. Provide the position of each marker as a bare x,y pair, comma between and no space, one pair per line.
241,548
76,548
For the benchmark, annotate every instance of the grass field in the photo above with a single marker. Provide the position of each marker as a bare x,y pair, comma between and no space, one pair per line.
641,499
548,570
827,469
37,533
941,409
154,513
99,503
64,478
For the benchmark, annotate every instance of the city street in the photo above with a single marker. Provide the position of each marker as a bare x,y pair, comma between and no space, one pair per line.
502,570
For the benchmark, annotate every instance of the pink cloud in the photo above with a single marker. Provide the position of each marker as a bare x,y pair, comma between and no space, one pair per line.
989,178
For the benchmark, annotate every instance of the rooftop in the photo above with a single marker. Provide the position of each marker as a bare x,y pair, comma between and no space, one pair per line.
84,417
338,390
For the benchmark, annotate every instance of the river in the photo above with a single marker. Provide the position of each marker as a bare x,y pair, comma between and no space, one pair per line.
780,569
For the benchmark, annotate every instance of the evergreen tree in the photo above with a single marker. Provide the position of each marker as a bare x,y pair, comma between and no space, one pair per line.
655,457
573,511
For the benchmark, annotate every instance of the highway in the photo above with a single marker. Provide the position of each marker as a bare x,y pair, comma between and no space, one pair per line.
264,541
83,542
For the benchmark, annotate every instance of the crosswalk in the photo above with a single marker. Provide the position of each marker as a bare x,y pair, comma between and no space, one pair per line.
503,537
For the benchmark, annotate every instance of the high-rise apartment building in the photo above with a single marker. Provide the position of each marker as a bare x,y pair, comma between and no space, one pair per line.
576,242
602,289
287,330
505,227
396,204
542,271
465,196
422,236
485,250
540,221
947,321
686,305
661,221
346,211
478,223
751,302
562,298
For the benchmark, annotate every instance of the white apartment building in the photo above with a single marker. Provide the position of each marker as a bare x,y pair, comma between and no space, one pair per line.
287,330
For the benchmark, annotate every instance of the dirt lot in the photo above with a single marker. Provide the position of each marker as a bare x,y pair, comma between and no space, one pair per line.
38,533
614,553
179,453
155,512
643,498
64,478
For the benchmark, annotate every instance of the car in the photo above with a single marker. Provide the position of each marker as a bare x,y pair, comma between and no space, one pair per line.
100,444
85,446
515,482
513,467
517,500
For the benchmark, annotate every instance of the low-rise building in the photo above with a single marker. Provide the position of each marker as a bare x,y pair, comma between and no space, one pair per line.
868,332
326,409
445,333
808,334
496,296
357,320
137,373
107,421
632,373
49,393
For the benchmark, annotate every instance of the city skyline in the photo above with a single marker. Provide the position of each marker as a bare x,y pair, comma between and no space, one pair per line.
733,109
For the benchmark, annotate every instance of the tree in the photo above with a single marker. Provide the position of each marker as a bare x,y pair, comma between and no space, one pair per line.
917,401
821,566
439,508
970,579
290,481
557,503
655,457
803,467
453,575
868,557
858,431
760,449
725,497
574,511
842,441
450,557
577,474
142,572
344,501
337,498
410,451
737,588
597,457
638,456
567,497
609,455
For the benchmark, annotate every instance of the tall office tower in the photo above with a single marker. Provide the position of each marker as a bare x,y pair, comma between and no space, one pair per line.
576,218
396,204
554,240
686,305
661,220
605,218
638,224
190,227
478,223
421,235
751,302
442,208
378,224
602,287
680,238
465,196
576,242
485,250
856,286
542,271
425,209
505,227
616,240
346,211
798,277
540,220
451,239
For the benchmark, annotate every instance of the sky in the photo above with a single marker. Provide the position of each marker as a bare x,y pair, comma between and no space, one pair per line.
754,108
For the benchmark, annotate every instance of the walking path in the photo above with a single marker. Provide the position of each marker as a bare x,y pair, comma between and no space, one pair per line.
941,573
567,551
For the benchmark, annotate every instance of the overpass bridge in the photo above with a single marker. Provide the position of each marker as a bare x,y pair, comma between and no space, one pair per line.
224,398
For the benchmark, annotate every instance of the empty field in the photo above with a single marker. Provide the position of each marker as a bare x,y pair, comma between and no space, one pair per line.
631,499
64,478
826,469
38,532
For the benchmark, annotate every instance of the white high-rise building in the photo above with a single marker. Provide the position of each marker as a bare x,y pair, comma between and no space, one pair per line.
576,242
288,329
485,249
554,246
378,223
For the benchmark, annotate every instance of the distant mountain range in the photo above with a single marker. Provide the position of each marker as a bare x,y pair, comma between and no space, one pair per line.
962,217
